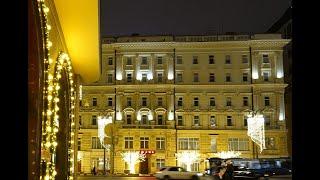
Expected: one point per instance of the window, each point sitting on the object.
(160, 119)
(129, 77)
(195, 101)
(129, 120)
(211, 59)
(144, 101)
(229, 120)
(79, 144)
(270, 143)
(245, 101)
(267, 120)
(211, 77)
(195, 77)
(95, 143)
(160, 143)
(179, 59)
(228, 59)
(144, 61)
(144, 78)
(144, 119)
(194, 166)
(109, 101)
(188, 143)
(159, 59)
(180, 101)
(129, 101)
(128, 142)
(179, 77)
(213, 144)
(160, 77)
(94, 120)
(110, 61)
(245, 77)
(80, 121)
(238, 144)
(180, 121)
(129, 61)
(160, 163)
(245, 121)
(265, 58)
(228, 77)
(228, 101)
(160, 101)
(94, 101)
(213, 121)
(265, 76)
(266, 101)
(195, 60)
(244, 58)
(196, 120)
(144, 142)
(212, 101)
(110, 78)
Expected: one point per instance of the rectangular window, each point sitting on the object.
(265, 76)
(128, 142)
(228, 77)
(245, 121)
(229, 120)
(212, 101)
(129, 101)
(238, 144)
(144, 119)
(159, 101)
(110, 61)
(94, 120)
(144, 101)
(213, 121)
(180, 101)
(245, 101)
(159, 59)
(211, 77)
(94, 101)
(79, 144)
(228, 59)
(195, 60)
(188, 143)
(266, 101)
(244, 59)
(179, 59)
(144, 78)
(144, 61)
(179, 77)
(160, 143)
(95, 143)
(195, 101)
(129, 61)
(265, 58)
(228, 102)
(213, 144)
(160, 77)
(129, 120)
(144, 142)
(270, 143)
(180, 121)
(211, 59)
(245, 77)
(195, 77)
(160, 119)
(196, 120)
(109, 101)
(110, 78)
(160, 163)
(129, 77)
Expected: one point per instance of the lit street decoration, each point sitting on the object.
(227, 154)
(256, 130)
(132, 158)
(102, 122)
(188, 158)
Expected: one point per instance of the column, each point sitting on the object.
(279, 64)
(138, 73)
(170, 67)
(281, 107)
(255, 68)
(119, 67)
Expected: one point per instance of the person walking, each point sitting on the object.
(219, 174)
(229, 170)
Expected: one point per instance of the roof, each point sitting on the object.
(287, 16)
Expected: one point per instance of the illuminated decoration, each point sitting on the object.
(132, 158)
(50, 119)
(171, 116)
(80, 155)
(227, 154)
(102, 122)
(170, 75)
(256, 130)
(139, 76)
(119, 116)
(150, 75)
(188, 158)
(119, 76)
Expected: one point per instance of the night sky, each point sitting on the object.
(145, 17)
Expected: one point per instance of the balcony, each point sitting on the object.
(145, 126)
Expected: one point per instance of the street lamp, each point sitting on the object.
(102, 122)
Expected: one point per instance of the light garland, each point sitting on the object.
(132, 158)
(188, 158)
(102, 122)
(256, 130)
(227, 154)
(50, 122)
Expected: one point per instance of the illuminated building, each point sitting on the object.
(170, 94)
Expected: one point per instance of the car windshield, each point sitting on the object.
(162, 169)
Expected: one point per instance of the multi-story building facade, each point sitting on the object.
(168, 94)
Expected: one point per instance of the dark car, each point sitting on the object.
(245, 173)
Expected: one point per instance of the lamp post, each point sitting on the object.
(102, 122)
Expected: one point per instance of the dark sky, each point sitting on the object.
(124, 17)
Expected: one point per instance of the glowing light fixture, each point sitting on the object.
(188, 158)
(227, 154)
(132, 158)
(256, 130)
(170, 117)
(119, 116)
(102, 122)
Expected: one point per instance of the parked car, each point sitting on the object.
(175, 172)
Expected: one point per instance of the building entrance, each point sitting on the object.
(144, 166)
